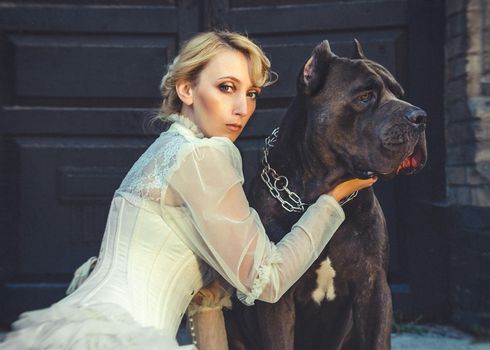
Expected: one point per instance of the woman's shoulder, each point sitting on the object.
(215, 146)
(218, 143)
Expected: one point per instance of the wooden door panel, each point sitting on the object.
(76, 17)
(334, 16)
(65, 187)
(122, 67)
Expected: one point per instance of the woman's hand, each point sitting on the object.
(344, 189)
(205, 317)
(212, 295)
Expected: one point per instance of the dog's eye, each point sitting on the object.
(366, 97)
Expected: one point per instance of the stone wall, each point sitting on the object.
(467, 115)
(468, 102)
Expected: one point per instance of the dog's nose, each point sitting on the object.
(417, 117)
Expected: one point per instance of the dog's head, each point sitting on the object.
(356, 114)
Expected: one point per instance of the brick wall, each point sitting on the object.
(468, 102)
(467, 116)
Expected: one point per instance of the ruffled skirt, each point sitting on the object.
(99, 327)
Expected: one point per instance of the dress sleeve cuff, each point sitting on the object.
(262, 279)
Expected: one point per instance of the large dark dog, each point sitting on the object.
(346, 121)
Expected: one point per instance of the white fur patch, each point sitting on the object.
(325, 288)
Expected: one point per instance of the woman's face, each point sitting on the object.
(223, 99)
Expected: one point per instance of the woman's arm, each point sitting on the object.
(228, 233)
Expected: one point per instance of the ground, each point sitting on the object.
(436, 337)
(433, 337)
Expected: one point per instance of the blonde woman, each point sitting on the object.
(180, 218)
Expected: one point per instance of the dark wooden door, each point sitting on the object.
(79, 78)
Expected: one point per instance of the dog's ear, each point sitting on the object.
(315, 68)
(358, 51)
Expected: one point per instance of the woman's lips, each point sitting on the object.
(234, 127)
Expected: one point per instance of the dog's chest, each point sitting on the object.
(324, 287)
(356, 251)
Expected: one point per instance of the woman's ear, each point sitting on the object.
(184, 91)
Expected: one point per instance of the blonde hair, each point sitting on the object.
(197, 52)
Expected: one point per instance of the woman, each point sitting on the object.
(180, 215)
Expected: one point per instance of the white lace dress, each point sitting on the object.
(179, 216)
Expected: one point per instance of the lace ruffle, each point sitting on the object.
(81, 274)
(262, 279)
(189, 124)
(148, 175)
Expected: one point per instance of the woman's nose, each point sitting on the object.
(241, 106)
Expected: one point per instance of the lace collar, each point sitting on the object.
(184, 123)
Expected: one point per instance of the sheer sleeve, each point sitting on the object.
(229, 236)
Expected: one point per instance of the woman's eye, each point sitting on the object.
(226, 87)
(253, 94)
(366, 97)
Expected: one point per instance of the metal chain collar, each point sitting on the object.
(278, 185)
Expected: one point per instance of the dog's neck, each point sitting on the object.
(309, 173)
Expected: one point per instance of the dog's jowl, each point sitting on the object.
(347, 120)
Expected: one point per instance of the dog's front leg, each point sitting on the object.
(276, 323)
(372, 314)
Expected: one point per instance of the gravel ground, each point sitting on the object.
(426, 338)
(437, 337)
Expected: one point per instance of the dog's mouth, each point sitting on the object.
(409, 166)
(413, 163)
